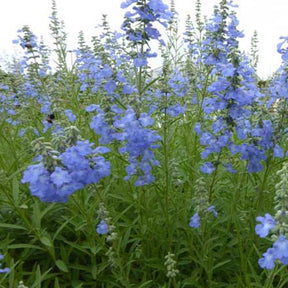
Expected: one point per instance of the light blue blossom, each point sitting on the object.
(195, 221)
(207, 168)
(280, 248)
(268, 260)
(3, 270)
(102, 228)
(79, 165)
(267, 223)
(212, 209)
(70, 115)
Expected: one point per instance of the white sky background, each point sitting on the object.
(268, 18)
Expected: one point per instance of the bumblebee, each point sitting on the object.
(50, 118)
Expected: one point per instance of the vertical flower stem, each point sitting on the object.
(240, 180)
(214, 177)
(166, 169)
(270, 278)
(260, 196)
(199, 114)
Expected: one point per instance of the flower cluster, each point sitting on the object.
(232, 95)
(170, 264)
(168, 98)
(278, 94)
(36, 54)
(99, 124)
(139, 26)
(26, 39)
(202, 205)
(139, 142)
(279, 252)
(277, 224)
(78, 165)
(8, 104)
(109, 79)
(93, 74)
(146, 13)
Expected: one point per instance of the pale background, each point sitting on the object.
(268, 18)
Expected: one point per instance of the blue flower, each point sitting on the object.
(212, 209)
(229, 167)
(110, 86)
(3, 270)
(99, 125)
(92, 108)
(207, 168)
(41, 185)
(283, 49)
(79, 166)
(195, 221)
(138, 143)
(284, 260)
(197, 128)
(72, 158)
(70, 115)
(278, 151)
(267, 223)
(157, 5)
(176, 109)
(232, 93)
(252, 154)
(178, 83)
(60, 177)
(140, 61)
(268, 260)
(280, 248)
(146, 120)
(207, 138)
(279, 251)
(102, 228)
(127, 3)
(153, 11)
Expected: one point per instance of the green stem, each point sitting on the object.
(270, 278)
(166, 185)
(166, 170)
(260, 198)
(214, 177)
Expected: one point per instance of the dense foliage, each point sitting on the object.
(114, 174)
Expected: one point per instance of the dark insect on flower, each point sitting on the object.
(50, 118)
(28, 45)
(262, 84)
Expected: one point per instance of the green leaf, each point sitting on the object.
(15, 185)
(146, 284)
(36, 218)
(24, 246)
(12, 226)
(56, 285)
(149, 84)
(94, 272)
(46, 241)
(222, 263)
(62, 266)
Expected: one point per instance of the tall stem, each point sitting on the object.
(166, 168)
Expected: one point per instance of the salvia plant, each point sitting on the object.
(114, 173)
